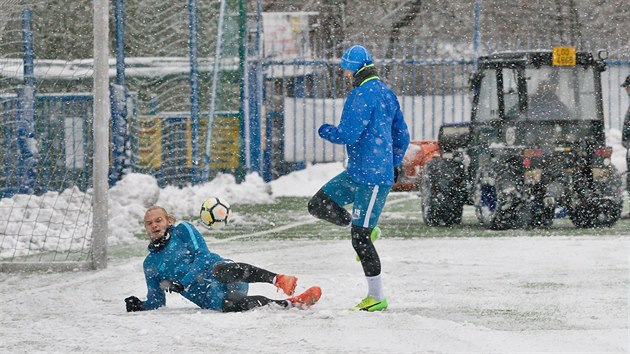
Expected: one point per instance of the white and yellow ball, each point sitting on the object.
(214, 212)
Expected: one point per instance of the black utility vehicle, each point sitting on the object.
(534, 148)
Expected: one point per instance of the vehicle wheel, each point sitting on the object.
(497, 201)
(609, 213)
(430, 194)
(600, 214)
(599, 208)
(454, 195)
(534, 213)
(595, 213)
(453, 216)
(441, 192)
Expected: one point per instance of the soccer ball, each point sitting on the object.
(214, 212)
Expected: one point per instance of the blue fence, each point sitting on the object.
(430, 92)
(281, 94)
(62, 146)
(301, 95)
(162, 145)
(46, 146)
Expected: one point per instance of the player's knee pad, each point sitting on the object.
(361, 238)
(323, 207)
(364, 247)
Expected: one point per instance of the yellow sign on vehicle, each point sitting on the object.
(563, 56)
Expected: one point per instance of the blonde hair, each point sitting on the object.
(169, 217)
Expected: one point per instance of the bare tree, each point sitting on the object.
(408, 12)
(567, 22)
(576, 25)
(331, 26)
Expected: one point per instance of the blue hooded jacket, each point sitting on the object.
(186, 259)
(374, 131)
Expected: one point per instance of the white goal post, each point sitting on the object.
(101, 133)
(63, 227)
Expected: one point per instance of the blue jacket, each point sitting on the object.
(374, 131)
(186, 259)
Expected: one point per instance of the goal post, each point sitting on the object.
(53, 210)
(101, 133)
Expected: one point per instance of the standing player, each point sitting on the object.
(179, 261)
(376, 138)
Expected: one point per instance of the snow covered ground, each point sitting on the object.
(473, 295)
(464, 294)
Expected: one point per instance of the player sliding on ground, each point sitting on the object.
(179, 261)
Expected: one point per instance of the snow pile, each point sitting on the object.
(130, 198)
(62, 221)
(305, 182)
(25, 219)
(48, 222)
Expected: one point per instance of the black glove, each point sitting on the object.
(171, 286)
(134, 304)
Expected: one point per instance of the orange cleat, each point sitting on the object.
(307, 298)
(286, 282)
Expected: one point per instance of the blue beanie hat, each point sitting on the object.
(355, 58)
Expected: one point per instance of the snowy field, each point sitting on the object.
(473, 295)
(484, 292)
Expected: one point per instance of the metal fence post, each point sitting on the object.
(253, 140)
(26, 138)
(242, 25)
(118, 98)
(194, 89)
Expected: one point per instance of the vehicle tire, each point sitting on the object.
(440, 191)
(454, 194)
(497, 200)
(597, 207)
(593, 215)
(430, 195)
(453, 216)
(534, 213)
